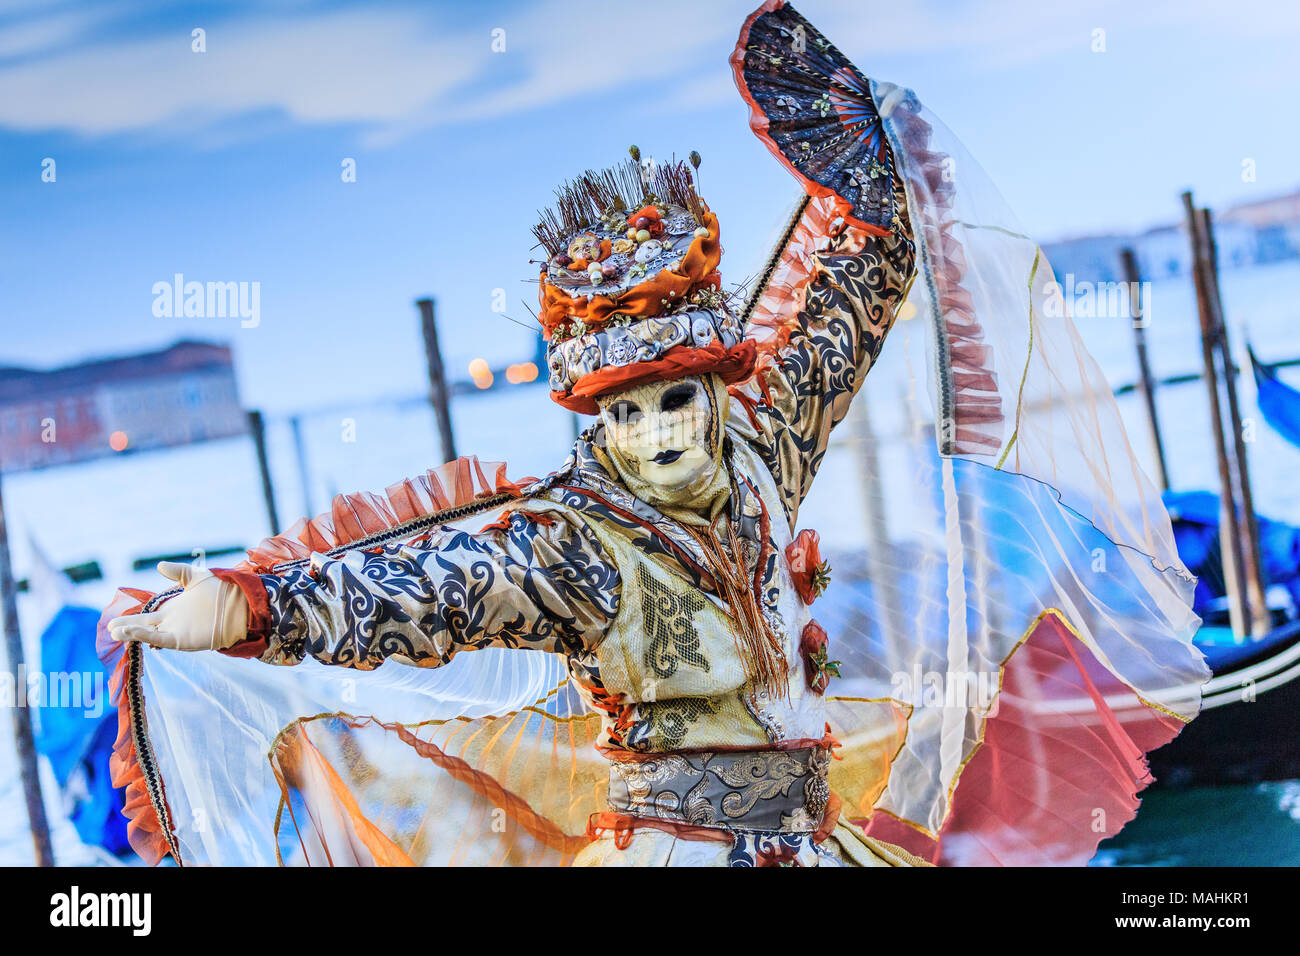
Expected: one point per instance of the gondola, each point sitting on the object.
(1249, 727)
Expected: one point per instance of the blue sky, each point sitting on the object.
(225, 165)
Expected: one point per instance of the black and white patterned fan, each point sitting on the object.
(814, 110)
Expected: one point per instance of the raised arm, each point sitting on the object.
(850, 304)
(830, 292)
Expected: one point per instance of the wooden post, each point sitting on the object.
(258, 430)
(1229, 536)
(1248, 523)
(24, 740)
(304, 474)
(1139, 306)
(438, 393)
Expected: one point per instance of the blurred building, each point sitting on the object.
(182, 394)
(1246, 234)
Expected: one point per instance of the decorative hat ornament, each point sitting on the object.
(630, 290)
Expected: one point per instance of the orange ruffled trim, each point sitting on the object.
(697, 269)
(784, 296)
(734, 364)
(352, 517)
(143, 830)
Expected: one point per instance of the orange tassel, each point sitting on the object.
(761, 653)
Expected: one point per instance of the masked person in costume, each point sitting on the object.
(697, 718)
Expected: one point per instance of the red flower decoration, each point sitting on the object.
(817, 668)
(811, 574)
(653, 223)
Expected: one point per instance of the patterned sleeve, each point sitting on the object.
(534, 579)
(851, 302)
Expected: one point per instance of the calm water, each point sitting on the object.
(1247, 825)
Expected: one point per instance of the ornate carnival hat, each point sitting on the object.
(630, 291)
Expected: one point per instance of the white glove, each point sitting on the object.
(210, 614)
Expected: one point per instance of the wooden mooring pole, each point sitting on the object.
(24, 740)
(1138, 306)
(438, 393)
(1247, 610)
(1229, 539)
(257, 428)
(1248, 523)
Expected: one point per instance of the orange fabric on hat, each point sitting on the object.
(734, 364)
(698, 268)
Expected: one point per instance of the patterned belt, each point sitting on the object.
(783, 791)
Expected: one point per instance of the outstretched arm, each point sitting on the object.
(543, 583)
(537, 580)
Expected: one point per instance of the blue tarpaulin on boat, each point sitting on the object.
(1278, 402)
(1196, 530)
(77, 725)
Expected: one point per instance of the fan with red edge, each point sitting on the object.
(814, 110)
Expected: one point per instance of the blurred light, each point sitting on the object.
(483, 381)
(521, 373)
(907, 311)
(117, 441)
(478, 368)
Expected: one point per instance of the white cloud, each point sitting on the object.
(399, 69)
(28, 37)
(394, 69)
(351, 66)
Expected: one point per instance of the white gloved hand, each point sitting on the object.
(210, 614)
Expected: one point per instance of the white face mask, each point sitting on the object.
(666, 432)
